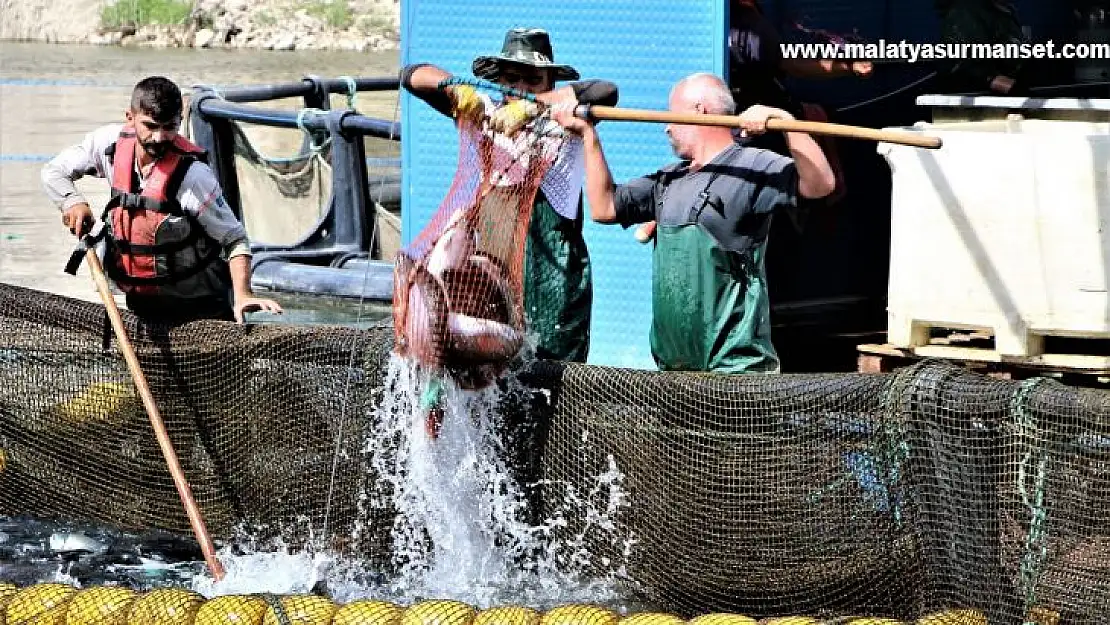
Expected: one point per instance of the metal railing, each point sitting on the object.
(346, 230)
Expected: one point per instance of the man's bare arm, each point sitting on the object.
(599, 179)
(427, 78)
(815, 176)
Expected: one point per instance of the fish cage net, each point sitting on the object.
(282, 198)
(928, 495)
(284, 178)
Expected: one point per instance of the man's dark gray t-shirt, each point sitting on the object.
(740, 189)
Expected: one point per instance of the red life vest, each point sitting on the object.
(146, 252)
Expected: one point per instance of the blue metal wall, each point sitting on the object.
(644, 46)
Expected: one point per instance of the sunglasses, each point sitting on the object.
(513, 78)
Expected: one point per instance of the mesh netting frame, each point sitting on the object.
(927, 406)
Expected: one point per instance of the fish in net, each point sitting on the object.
(458, 308)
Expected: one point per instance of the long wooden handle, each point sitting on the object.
(732, 121)
(164, 441)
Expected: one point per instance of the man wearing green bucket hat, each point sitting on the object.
(557, 276)
(558, 282)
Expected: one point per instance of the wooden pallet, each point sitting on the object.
(975, 352)
(1009, 339)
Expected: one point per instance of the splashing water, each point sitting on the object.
(461, 530)
(446, 515)
(272, 569)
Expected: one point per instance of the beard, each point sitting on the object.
(676, 146)
(683, 140)
(156, 149)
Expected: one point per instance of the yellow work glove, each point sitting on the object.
(513, 116)
(467, 103)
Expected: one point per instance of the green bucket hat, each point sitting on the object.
(526, 46)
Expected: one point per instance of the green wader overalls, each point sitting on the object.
(710, 306)
(558, 285)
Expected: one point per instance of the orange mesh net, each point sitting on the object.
(458, 295)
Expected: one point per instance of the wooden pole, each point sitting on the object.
(191, 509)
(599, 112)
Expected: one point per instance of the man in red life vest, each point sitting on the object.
(175, 248)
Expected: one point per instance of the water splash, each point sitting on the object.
(461, 528)
(271, 568)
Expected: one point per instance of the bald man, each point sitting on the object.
(714, 208)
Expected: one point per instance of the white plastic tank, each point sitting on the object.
(1004, 228)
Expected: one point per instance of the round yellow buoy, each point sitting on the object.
(954, 617)
(34, 601)
(302, 610)
(793, 620)
(368, 612)
(439, 612)
(652, 618)
(101, 401)
(102, 605)
(165, 606)
(723, 618)
(231, 610)
(579, 614)
(508, 615)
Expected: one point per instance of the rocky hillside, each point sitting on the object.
(363, 25)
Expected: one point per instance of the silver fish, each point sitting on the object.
(70, 542)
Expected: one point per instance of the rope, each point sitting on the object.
(187, 117)
(893, 444)
(897, 446)
(311, 140)
(432, 393)
(883, 458)
(888, 94)
(1036, 549)
(478, 83)
(213, 88)
(352, 91)
(274, 602)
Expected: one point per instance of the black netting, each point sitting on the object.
(927, 490)
(254, 413)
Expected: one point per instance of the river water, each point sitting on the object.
(51, 95)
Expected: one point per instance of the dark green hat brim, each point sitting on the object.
(487, 67)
